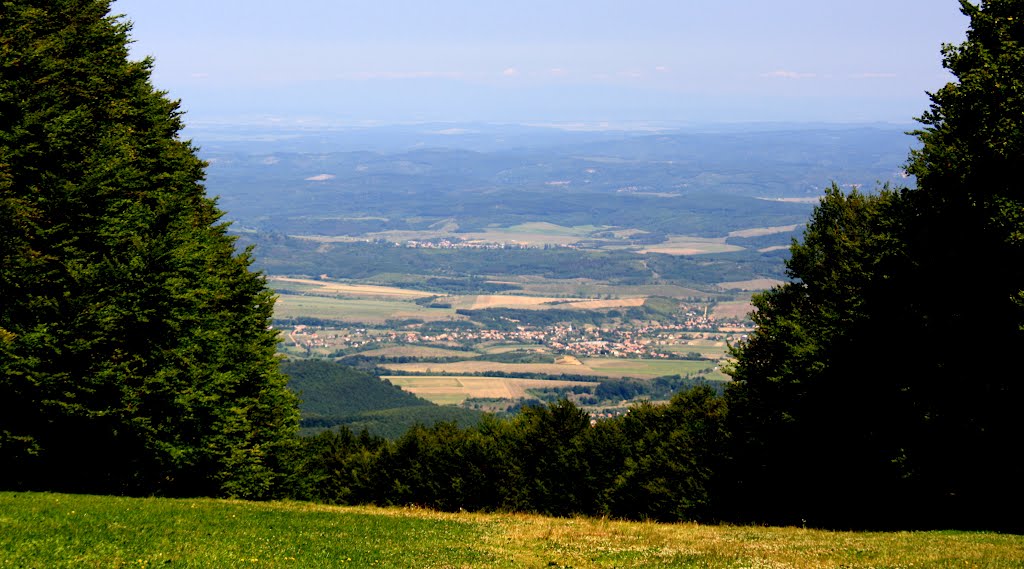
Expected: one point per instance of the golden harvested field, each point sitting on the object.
(335, 238)
(535, 234)
(600, 367)
(707, 348)
(335, 288)
(369, 310)
(539, 302)
(446, 390)
(610, 303)
(733, 309)
(762, 231)
(502, 301)
(754, 284)
(685, 245)
(500, 348)
(646, 368)
(470, 367)
(589, 288)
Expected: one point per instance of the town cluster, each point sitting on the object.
(648, 341)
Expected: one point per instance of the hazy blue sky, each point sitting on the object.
(547, 60)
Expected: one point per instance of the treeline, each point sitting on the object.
(657, 462)
(393, 423)
(612, 392)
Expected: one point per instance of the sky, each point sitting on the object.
(321, 62)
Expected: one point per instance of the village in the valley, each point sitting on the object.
(651, 340)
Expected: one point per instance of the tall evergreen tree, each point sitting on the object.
(135, 353)
(880, 387)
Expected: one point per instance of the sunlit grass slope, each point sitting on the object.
(56, 530)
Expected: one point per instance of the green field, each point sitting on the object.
(56, 530)
(355, 309)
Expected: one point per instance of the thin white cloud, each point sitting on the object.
(510, 72)
(662, 69)
(370, 75)
(784, 74)
(874, 75)
(557, 72)
(320, 178)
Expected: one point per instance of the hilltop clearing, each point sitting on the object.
(55, 530)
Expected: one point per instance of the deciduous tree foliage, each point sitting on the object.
(880, 387)
(658, 462)
(135, 354)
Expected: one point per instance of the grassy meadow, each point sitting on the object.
(56, 530)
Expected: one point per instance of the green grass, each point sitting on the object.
(54, 530)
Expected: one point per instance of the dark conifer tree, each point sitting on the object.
(880, 387)
(135, 354)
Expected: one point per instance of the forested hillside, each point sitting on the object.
(332, 395)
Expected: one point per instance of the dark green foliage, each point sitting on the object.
(134, 349)
(615, 391)
(327, 389)
(393, 423)
(519, 357)
(658, 462)
(337, 467)
(871, 393)
(333, 395)
(442, 467)
(673, 456)
(545, 460)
